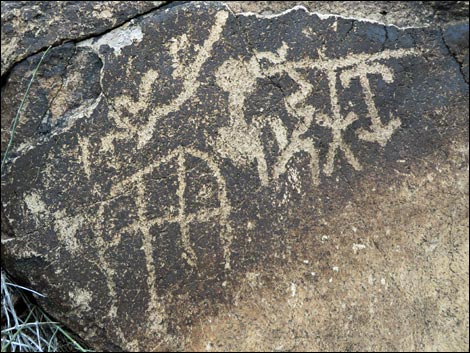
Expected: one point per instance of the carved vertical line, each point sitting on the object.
(108, 271)
(189, 255)
(190, 84)
(154, 310)
(369, 98)
(225, 209)
(335, 109)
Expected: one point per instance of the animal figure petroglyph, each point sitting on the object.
(239, 141)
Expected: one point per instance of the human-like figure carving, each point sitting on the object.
(346, 69)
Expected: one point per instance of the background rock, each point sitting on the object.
(398, 13)
(31, 26)
(200, 180)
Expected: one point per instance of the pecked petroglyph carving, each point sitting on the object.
(216, 145)
(66, 226)
(304, 112)
(241, 141)
(379, 132)
(182, 218)
(191, 72)
(231, 139)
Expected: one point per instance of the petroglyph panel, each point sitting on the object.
(195, 162)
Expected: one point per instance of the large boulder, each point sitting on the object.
(198, 179)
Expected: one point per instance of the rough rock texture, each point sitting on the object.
(201, 180)
(31, 26)
(398, 13)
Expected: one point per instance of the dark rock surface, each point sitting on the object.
(30, 26)
(397, 13)
(200, 180)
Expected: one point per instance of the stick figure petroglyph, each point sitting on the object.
(346, 69)
(379, 132)
(293, 104)
(241, 141)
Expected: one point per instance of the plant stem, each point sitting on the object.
(17, 117)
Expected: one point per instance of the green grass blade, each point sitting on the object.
(17, 116)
